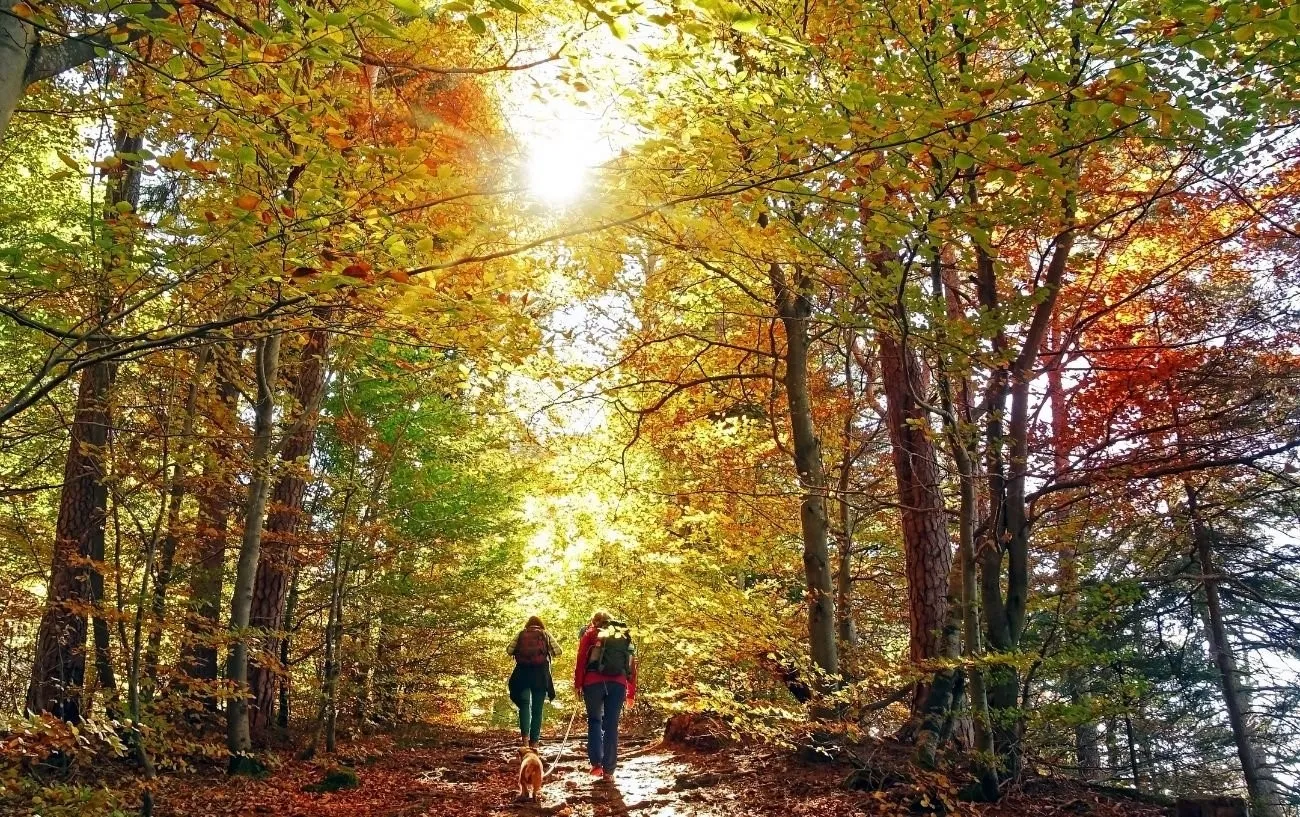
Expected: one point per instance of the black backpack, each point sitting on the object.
(613, 651)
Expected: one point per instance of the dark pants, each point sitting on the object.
(530, 702)
(604, 702)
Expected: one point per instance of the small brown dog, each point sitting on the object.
(530, 774)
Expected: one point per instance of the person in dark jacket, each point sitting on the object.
(605, 686)
(531, 682)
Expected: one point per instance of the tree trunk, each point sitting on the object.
(215, 500)
(275, 563)
(18, 40)
(795, 312)
(104, 676)
(927, 549)
(282, 717)
(1263, 796)
(59, 666)
(238, 739)
(25, 60)
(846, 630)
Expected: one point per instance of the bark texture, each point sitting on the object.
(59, 669)
(283, 526)
(59, 665)
(1259, 785)
(238, 739)
(795, 311)
(927, 549)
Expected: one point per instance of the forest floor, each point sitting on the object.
(465, 774)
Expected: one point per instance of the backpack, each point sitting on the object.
(612, 653)
(531, 649)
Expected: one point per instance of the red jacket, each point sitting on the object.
(582, 677)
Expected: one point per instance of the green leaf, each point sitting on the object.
(963, 161)
(1205, 48)
(477, 24)
(411, 8)
(510, 5)
(746, 23)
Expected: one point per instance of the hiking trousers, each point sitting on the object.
(604, 701)
(531, 702)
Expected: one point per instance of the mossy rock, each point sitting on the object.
(337, 778)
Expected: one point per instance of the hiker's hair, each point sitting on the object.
(534, 621)
(601, 617)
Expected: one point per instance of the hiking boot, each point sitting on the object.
(597, 772)
(533, 744)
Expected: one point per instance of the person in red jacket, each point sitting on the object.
(605, 677)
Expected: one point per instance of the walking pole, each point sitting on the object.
(560, 753)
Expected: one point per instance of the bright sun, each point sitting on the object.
(562, 151)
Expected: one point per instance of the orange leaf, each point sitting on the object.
(23, 10)
(398, 275)
(247, 201)
(358, 270)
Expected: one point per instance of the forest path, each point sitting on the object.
(650, 782)
(466, 774)
(460, 773)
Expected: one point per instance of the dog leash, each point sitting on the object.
(560, 753)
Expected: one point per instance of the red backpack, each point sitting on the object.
(531, 649)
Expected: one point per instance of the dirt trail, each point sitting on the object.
(650, 782)
(460, 774)
(464, 774)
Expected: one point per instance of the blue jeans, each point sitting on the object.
(604, 702)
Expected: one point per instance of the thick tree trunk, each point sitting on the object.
(25, 60)
(275, 563)
(215, 501)
(18, 40)
(928, 552)
(238, 739)
(795, 312)
(59, 668)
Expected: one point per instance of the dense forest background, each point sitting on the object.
(919, 369)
